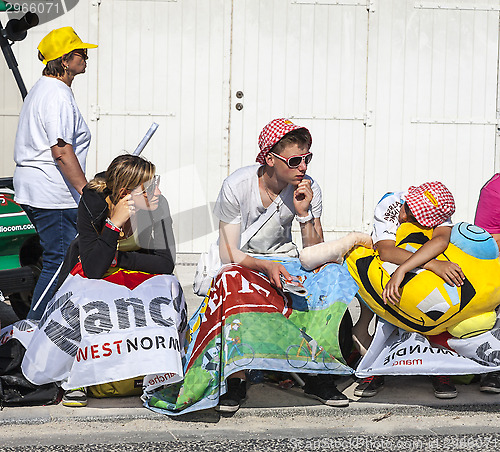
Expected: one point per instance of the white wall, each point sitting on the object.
(433, 92)
(306, 62)
(394, 92)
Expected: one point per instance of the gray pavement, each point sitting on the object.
(405, 407)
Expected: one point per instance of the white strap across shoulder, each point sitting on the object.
(263, 219)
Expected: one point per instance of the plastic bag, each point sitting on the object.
(206, 270)
(15, 389)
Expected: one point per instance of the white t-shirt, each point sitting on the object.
(386, 216)
(49, 113)
(239, 202)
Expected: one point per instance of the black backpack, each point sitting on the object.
(15, 389)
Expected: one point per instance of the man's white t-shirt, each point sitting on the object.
(49, 113)
(386, 216)
(239, 202)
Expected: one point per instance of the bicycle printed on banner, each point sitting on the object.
(298, 356)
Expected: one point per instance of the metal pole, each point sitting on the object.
(146, 138)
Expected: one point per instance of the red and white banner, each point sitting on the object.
(97, 331)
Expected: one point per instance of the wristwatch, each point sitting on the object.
(305, 219)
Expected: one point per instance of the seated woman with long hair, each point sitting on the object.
(124, 221)
(126, 312)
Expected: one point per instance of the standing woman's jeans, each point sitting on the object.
(56, 228)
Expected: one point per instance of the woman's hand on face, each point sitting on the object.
(122, 211)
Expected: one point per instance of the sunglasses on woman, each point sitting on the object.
(149, 187)
(295, 160)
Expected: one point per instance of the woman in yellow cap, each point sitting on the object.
(50, 150)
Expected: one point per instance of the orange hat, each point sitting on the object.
(59, 42)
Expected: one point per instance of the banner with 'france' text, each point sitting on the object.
(97, 331)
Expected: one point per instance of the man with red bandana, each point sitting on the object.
(279, 181)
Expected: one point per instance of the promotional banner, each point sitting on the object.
(395, 351)
(97, 331)
(245, 323)
(22, 330)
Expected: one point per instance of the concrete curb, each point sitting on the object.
(120, 409)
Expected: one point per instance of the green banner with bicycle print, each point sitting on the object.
(245, 323)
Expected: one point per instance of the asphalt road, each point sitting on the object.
(352, 443)
(295, 428)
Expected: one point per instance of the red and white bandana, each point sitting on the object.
(430, 203)
(271, 134)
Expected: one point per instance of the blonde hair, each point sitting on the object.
(125, 172)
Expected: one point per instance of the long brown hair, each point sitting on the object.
(125, 172)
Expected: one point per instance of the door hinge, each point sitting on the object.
(95, 112)
(367, 118)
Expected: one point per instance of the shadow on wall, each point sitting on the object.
(195, 223)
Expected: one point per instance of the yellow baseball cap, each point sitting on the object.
(59, 42)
